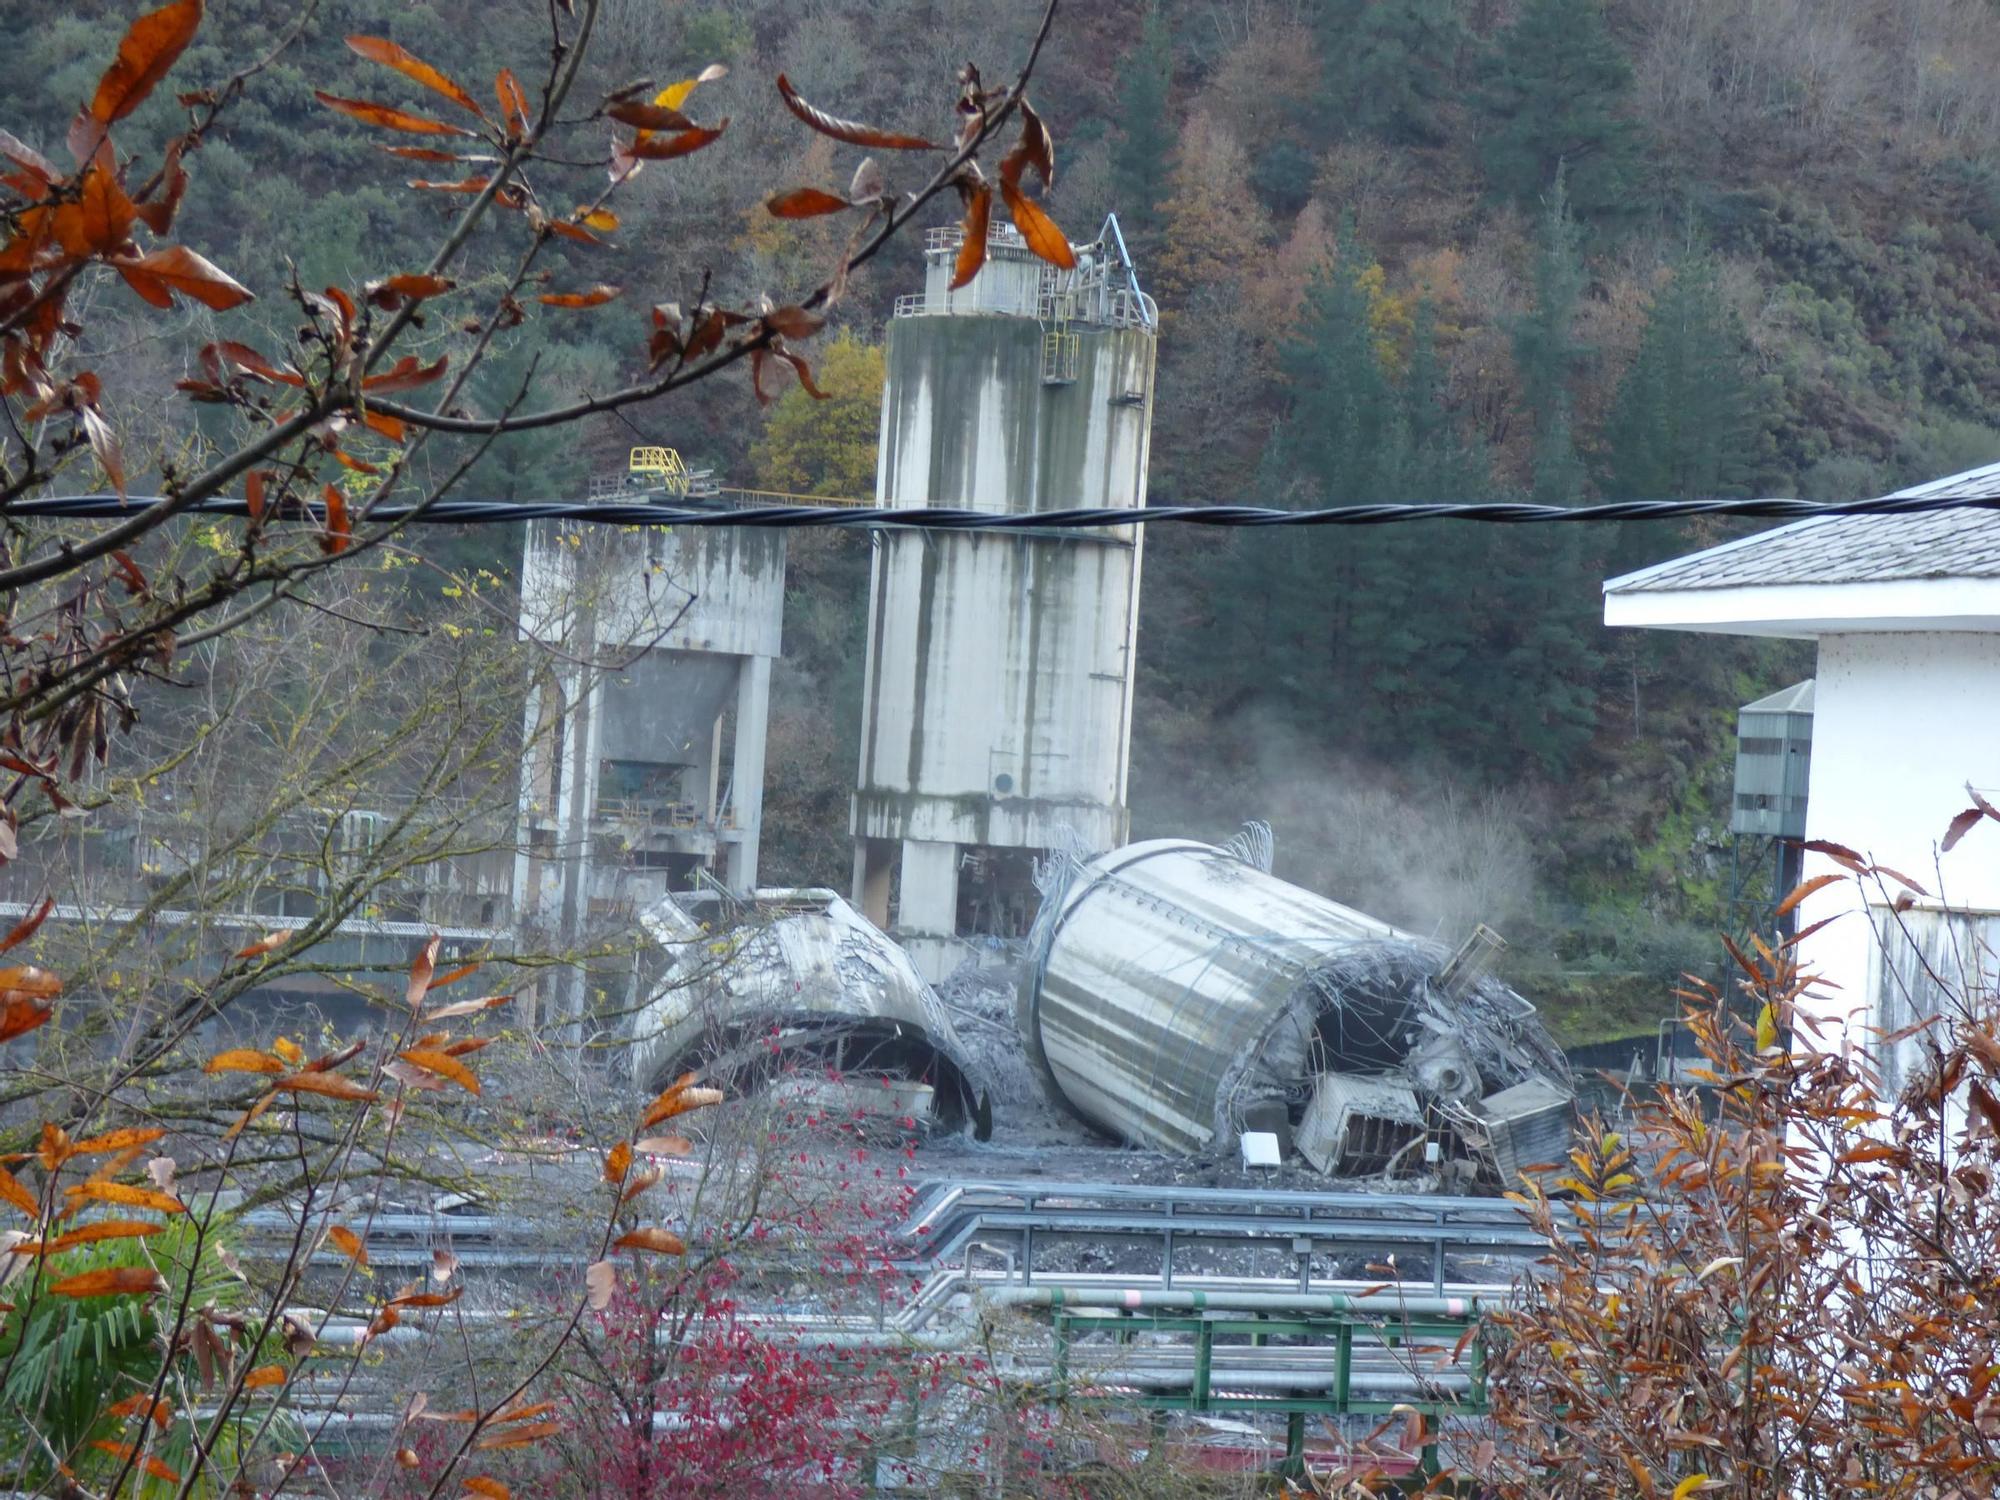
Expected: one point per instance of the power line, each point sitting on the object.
(850, 517)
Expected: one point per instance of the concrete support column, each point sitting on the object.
(927, 914)
(873, 865)
(753, 715)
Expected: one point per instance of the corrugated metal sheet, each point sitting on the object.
(1173, 986)
(802, 960)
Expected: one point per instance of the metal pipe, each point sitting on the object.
(1390, 1304)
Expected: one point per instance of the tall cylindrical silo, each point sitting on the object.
(1173, 987)
(998, 697)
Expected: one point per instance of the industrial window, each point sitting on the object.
(642, 781)
(1757, 745)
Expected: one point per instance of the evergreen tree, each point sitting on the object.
(1556, 91)
(1544, 626)
(1685, 423)
(1390, 64)
(1547, 354)
(1146, 137)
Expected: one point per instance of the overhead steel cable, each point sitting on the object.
(851, 517)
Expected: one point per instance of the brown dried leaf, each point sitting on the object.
(481, 1484)
(1960, 827)
(243, 1060)
(338, 531)
(665, 1145)
(124, 1453)
(265, 944)
(1805, 889)
(19, 1015)
(386, 117)
(31, 983)
(348, 1243)
(466, 1007)
(149, 49)
(331, 1085)
(158, 215)
(658, 1241)
(111, 1281)
(1038, 230)
(597, 296)
(639, 1182)
(265, 1376)
(679, 143)
(853, 132)
(413, 1298)
(1036, 148)
(128, 1195)
(90, 1234)
(803, 370)
(518, 1437)
(379, 50)
(249, 1117)
(31, 161)
(104, 448)
(117, 1140)
(26, 927)
(618, 1162)
(972, 251)
(521, 1414)
(867, 186)
(251, 362)
(645, 116)
(469, 186)
(178, 269)
(131, 1406)
(601, 1279)
(12, 1191)
(513, 102)
(805, 203)
(444, 1065)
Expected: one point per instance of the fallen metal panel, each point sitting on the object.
(794, 971)
(1173, 986)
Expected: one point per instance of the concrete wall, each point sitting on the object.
(687, 588)
(1902, 722)
(656, 634)
(999, 676)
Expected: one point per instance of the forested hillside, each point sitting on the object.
(1406, 249)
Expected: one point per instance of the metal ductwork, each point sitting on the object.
(1174, 987)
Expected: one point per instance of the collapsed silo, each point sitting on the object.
(1177, 995)
(796, 990)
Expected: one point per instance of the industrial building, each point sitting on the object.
(659, 649)
(997, 718)
(1904, 721)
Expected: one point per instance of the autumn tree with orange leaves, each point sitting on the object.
(317, 452)
(1783, 1280)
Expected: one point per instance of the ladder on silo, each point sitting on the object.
(1062, 350)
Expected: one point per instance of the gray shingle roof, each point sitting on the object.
(1848, 549)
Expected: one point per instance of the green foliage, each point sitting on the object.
(1146, 137)
(1686, 422)
(1391, 65)
(826, 447)
(1557, 98)
(69, 1359)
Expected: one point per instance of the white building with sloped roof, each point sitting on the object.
(1906, 613)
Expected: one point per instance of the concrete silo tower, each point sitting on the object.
(998, 707)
